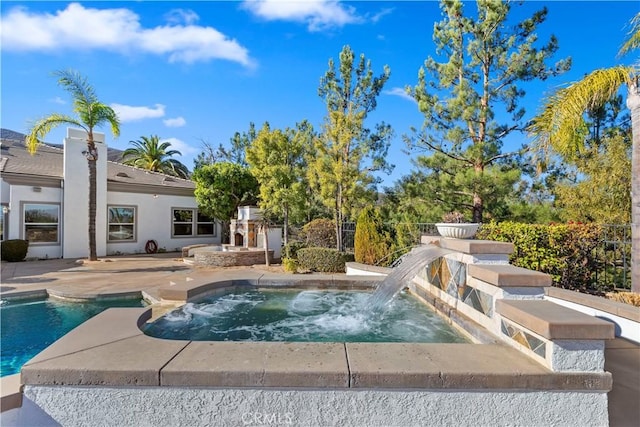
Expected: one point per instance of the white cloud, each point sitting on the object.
(181, 16)
(129, 113)
(77, 28)
(398, 91)
(175, 123)
(317, 14)
(184, 148)
(58, 100)
(378, 16)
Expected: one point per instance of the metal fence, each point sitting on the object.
(612, 255)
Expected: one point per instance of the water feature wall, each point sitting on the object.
(474, 283)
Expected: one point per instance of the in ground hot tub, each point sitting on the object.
(302, 316)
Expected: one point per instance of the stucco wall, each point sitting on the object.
(154, 222)
(76, 195)
(169, 406)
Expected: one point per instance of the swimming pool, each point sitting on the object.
(29, 326)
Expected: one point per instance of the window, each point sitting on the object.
(205, 226)
(190, 222)
(41, 222)
(122, 224)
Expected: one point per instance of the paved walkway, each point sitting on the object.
(150, 272)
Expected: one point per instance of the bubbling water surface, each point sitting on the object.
(309, 316)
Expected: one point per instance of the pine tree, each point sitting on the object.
(347, 152)
(463, 97)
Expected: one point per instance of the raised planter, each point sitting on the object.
(457, 230)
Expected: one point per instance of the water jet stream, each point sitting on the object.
(411, 264)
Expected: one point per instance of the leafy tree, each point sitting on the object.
(561, 125)
(347, 152)
(471, 99)
(371, 241)
(153, 155)
(221, 188)
(234, 154)
(603, 193)
(278, 161)
(90, 114)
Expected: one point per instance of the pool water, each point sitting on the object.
(310, 316)
(28, 327)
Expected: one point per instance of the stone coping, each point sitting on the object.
(10, 392)
(111, 350)
(507, 275)
(74, 296)
(554, 321)
(470, 246)
(206, 285)
(626, 311)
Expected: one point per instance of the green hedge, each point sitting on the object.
(564, 251)
(323, 260)
(14, 250)
(321, 233)
(290, 250)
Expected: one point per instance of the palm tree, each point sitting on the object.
(151, 154)
(561, 125)
(90, 114)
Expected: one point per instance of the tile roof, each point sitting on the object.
(48, 162)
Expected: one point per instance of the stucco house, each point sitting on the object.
(44, 199)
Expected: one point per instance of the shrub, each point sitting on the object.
(454, 217)
(291, 249)
(290, 264)
(630, 298)
(323, 260)
(564, 251)
(371, 242)
(320, 233)
(14, 250)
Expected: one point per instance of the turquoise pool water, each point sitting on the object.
(311, 316)
(28, 327)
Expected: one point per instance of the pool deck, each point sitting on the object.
(114, 276)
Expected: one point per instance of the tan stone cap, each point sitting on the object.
(507, 275)
(10, 392)
(198, 285)
(110, 350)
(554, 321)
(476, 247)
(627, 311)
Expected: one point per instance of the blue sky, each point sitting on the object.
(200, 71)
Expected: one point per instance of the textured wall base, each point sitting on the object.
(231, 258)
(168, 406)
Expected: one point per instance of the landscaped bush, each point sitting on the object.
(290, 264)
(14, 250)
(564, 251)
(371, 241)
(630, 298)
(323, 260)
(290, 250)
(320, 233)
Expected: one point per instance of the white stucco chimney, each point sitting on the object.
(76, 195)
